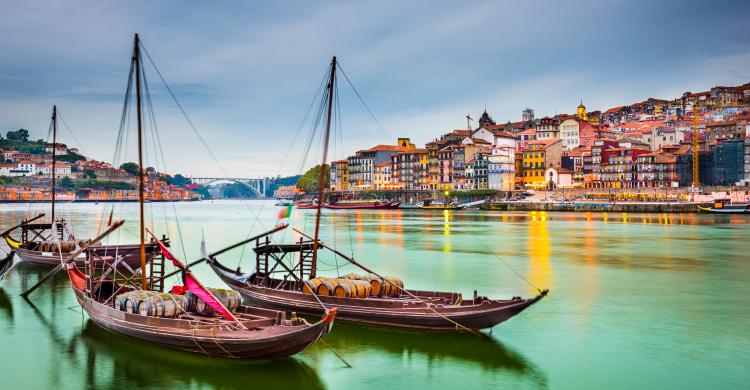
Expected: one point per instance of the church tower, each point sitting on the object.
(485, 119)
(581, 112)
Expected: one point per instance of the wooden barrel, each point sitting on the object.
(353, 276)
(386, 287)
(229, 298)
(163, 305)
(130, 301)
(363, 288)
(326, 286)
(392, 282)
(311, 286)
(348, 288)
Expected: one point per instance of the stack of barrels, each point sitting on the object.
(165, 305)
(151, 303)
(229, 298)
(52, 247)
(355, 286)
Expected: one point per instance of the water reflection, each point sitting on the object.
(539, 246)
(115, 361)
(6, 306)
(488, 353)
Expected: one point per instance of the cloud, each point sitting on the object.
(246, 72)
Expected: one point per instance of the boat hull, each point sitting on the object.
(129, 252)
(363, 206)
(260, 343)
(406, 313)
(726, 210)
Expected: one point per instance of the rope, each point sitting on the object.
(506, 264)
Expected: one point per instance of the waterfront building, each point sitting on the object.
(558, 178)
(339, 175)
(361, 165)
(61, 169)
(594, 179)
(569, 133)
(548, 128)
(480, 169)
(619, 167)
(445, 158)
(410, 169)
(657, 169)
(501, 163)
(433, 166)
(537, 157)
(382, 175)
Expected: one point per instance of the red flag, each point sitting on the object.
(196, 287)
(206, 296)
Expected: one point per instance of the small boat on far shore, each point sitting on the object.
(430, 204)
(362, 204)
(720, 207)
(284, 202)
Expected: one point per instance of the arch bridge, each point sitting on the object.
(257, 186)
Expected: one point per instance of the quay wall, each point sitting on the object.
(618, 207)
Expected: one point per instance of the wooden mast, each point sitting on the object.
(321, 184)
(54, 157)
(141, 197)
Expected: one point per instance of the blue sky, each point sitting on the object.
(247, 71)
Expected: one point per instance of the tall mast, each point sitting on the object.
(141, 197)
(54, 157)
(321, 184)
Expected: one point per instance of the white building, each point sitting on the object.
(501, 164)
(570, 134)
(24, 168)
(61, 169)
(60, 149)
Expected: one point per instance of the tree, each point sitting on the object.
(130, 167)
(177, 180)
(66, 182)
(309, 181)
(89, 173)
(18, 135)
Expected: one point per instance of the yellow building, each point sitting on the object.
(537, 157)
(339, 175)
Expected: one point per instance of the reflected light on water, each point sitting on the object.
(540, 272)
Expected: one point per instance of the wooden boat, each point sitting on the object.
(267, 334)
(143, 311)
(47, 243)
(274, 284)
(429, 204)
(306, 205)
(726, 208)
(362, 204)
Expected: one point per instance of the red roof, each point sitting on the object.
(385, 148)
(545, 142)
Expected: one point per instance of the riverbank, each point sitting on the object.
(623, 207)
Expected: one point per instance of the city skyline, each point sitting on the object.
(247, 74)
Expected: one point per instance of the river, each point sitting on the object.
(636, 301)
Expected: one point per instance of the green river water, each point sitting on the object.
(636, 301)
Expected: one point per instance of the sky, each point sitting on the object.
(246, 72)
